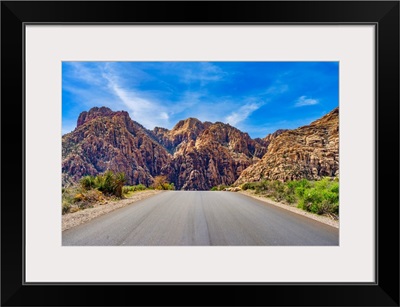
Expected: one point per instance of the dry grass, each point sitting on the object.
(76, 218)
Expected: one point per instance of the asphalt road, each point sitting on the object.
(201, 218)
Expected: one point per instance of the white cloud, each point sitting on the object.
(145, 110)
(164, 115)
(304, 101)
(242, 113)
(90, 75)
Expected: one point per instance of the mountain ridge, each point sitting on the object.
(194, 155)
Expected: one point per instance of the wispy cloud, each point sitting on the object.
(203, 73)
(243, 113)
(89, 74)
(304, 101)
(279, 85)
(146, 110)
(162, 93)
(277, 89)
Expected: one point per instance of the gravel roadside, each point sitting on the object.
(70, 220)
(320, 218)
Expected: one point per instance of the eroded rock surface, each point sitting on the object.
(310, 152)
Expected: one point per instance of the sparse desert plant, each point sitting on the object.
(250, 185)
(220, 187)
(91, 190)
(133, 188)
(65, 207)
(161, 183)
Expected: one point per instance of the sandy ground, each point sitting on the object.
(74, 219)
(321, 218)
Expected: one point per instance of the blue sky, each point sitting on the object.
(256, 97)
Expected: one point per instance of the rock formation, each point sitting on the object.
(197, 155)
(310, 152)
(210, 155)
(105, 140)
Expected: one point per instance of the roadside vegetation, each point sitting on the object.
(220, 187)
(320, 197)
(103, 188)
(92, 190)
(161, 183)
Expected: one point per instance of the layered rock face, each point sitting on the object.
(197, 155)
(183, 132)
(106, 140)
(309, 152)
(209, 155)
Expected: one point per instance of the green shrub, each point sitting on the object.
(263, 186)
(250, 185)
(161, 183)
(220, 187)
(140, 187)
(290, 198)
(65, 207)
(334, 187)
(133, 188)
(322, 197)
(87, 182)
(108, 183)
(168, 186)
(319, 197)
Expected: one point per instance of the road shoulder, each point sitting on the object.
(320, 218)
(70, 220)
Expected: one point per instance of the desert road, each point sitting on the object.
(201, 218)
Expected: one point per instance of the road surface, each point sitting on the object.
(201, 218)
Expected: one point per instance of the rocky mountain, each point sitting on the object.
(267, 140)
(183, 132)
(103, 140)
(310, 152)
(206, 154)
(197, 155)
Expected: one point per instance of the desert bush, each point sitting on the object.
(168, 186)
(263, 186)
(119, 181)
(91, 190)
(250, 185)
(65, 207)
(161, 183)
(133, 188)
(319, 197)
(68, 198)
(219, 187)
(278, 190)
(110, 183)
(87, 182)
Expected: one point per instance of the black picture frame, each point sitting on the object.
(383, 14)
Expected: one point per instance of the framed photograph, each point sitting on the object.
(242, 146)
